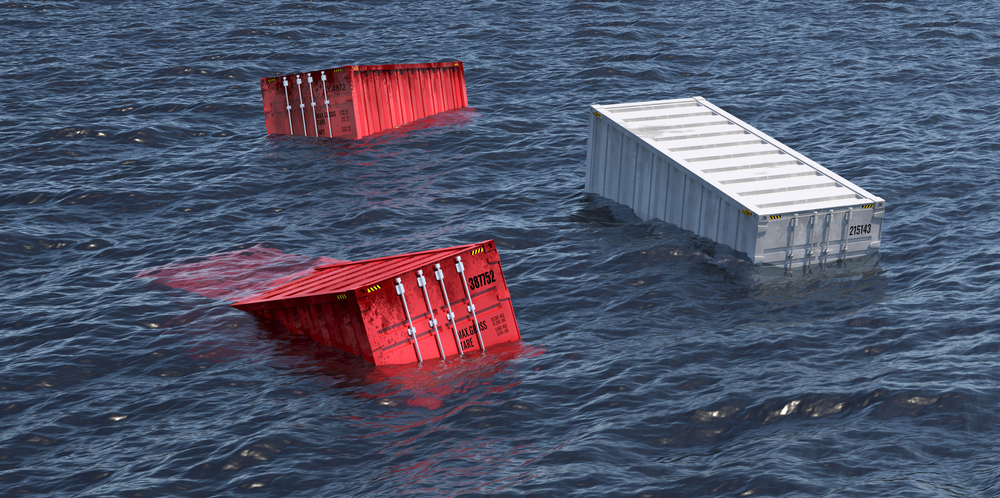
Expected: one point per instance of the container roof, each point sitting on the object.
(374, 67)
(353, 275)
(738, 159)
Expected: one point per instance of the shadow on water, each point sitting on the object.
(819, 293)
(777, 294)
(461, 414)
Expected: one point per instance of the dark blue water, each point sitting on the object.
(654, 363)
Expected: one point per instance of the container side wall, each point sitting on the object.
(377, 100)
(708, 225)
(728, 217)
(427, 91)
(418, 95)
(626, 180)
(360, 97)
(336, 330)
(388, 99)
(329, 329)
(691, 216)
(381, 98)
(399, 104)
(675, 194)
(441, 98)
(318, 332)
(592, 133)
(597, 170)
(463, 96)
(406, 99)
(612, 170)
(291, 321)
(658, 188)
(447, 96)
(348, 329)
(433, 93)
(753, 237)
(368, 100)
(303, 319)
(643, 181)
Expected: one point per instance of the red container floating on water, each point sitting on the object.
(355, 101)
(399, 309)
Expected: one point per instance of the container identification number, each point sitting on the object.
(860, 229)
(481, 280)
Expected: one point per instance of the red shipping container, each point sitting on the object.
(356, 101)
(399, 309)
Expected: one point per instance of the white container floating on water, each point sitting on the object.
(690, 163)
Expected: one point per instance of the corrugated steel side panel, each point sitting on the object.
(356, 101)
(690, 163)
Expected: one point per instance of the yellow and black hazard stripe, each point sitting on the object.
(373, 288)
(746, 212)
(476, 251)
(867, 206)
(341, 296)
(774, 217)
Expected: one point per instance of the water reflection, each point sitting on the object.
(460, 416)
(232, 275)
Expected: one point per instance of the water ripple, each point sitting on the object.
(654, 362)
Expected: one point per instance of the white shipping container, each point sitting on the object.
(690, 163)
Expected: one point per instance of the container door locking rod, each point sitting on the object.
(439, 276)
(472, 307)
(827, 231)
(422, 283)
(811, 241)
(288, 107)
(329, 124)
(312, 100)
(847, 228)
(791, 242)
(302, 107)
(412, 332)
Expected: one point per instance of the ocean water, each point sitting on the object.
(654, 363)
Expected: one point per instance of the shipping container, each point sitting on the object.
(399, 309)
(356, 101)
(690, 163)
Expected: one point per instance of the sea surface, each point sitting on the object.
(654, 363)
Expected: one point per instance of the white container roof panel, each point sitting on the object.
(744, 163)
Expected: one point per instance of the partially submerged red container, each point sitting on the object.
(399, 309)
(355, 101)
